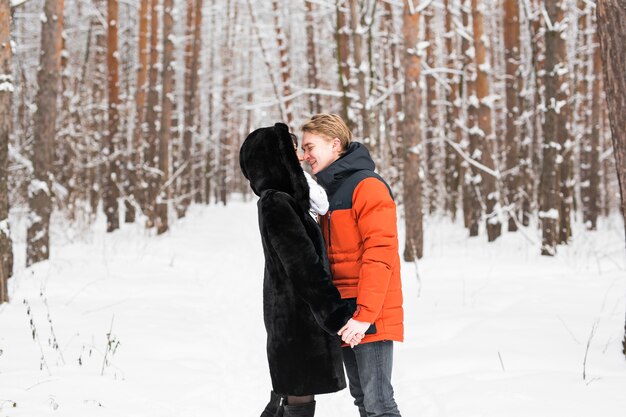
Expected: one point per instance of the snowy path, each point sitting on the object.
(492, 329)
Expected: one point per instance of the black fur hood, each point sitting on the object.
(268, 160)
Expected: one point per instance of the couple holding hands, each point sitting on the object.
(339, 275)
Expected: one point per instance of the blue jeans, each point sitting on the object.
(369, 371)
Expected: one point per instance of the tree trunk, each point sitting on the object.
(471, 204)
(6, 92)
(512, 140)
(111, 190)
(452, 128)
(596, 129)
(225, 139)
(488, 181)
(194, 21)
(411, 135)
(209, 157)
(98, 126)
(167, 99)
(343, 55)
(433, 166)
(555, 71)
(150, 190)
(612, 32)
(134, 171)
(583, 121)
(360, 69)
(285, 67)
(39, 190)
(311, 56)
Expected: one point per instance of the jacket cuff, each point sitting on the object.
(363, 315)
(338, 318)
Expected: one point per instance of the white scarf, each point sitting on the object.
(317, 196)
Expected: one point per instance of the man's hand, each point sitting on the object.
(351, 330)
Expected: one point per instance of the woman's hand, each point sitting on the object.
(356, 339)
(353, 331)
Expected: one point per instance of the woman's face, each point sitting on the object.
(319, 151)
(298, 154)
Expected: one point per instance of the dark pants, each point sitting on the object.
(369, 371)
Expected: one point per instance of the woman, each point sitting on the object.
(302, 309)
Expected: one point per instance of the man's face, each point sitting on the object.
(319, 152)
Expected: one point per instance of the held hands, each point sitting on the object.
(353, 332)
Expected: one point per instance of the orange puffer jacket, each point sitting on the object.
(362, 241)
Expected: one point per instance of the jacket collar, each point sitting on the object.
(356, 158)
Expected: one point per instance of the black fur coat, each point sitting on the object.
(302, 309)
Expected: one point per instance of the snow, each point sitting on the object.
(36, 186)
(4, 227)
(492, 329)
(6, 83)
(550, 214)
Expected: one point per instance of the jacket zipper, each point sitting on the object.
(329, 241)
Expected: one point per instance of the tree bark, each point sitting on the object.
(311, 56)
(594, 139)
(285, 67)
(487, 181)
(39, 190)
(150, 190)
(512, 140)
(360, 70)
(167, 101)
(452, 128)
(553, 127)
(134, 172)
(472, 209)
(433, 157)
(343, 70)
(111, 190)
(6, 93)
(612, 32)
(194, 20)
(225, 139)
(411, 135)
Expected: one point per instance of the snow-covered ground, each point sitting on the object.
(172, 325)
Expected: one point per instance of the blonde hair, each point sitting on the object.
(331, 126)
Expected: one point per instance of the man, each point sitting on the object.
(362, 242)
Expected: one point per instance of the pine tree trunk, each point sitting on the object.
(488, 181)
(555, 101)
(196, 159)
(411, 135)
(433, 167)
(225, 140)
(209, 156)
(134, 171)
(98, 115)
(151, 160)
(194, 22)
(6, 92)
(512, 55)
(285, 67)
(612, 32)
(111, 191)
(583, 121)
(452, 128)
(167, 101)
(360, 70)
(39, 190)
(472, 209)
(594, 144)
(311, 56)
(343, 55)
